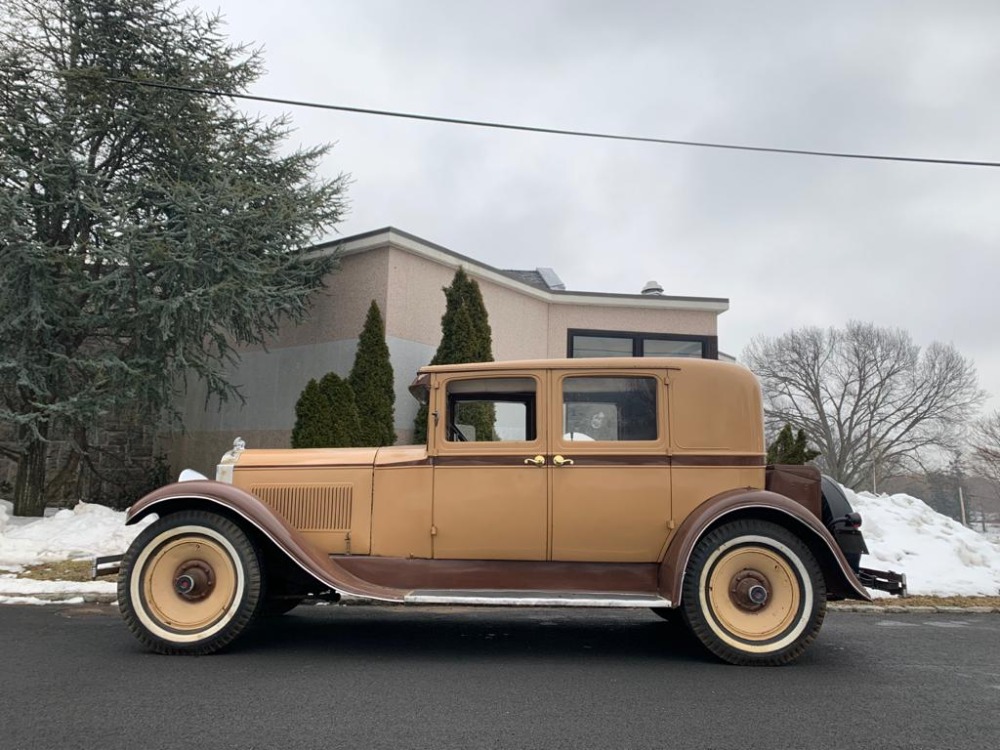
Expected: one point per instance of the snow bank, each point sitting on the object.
(85, 531)
(53, 591)
(939, 556)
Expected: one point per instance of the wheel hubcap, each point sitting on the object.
(194, 580)
(749, 590)
(189, 583)
(754, 593)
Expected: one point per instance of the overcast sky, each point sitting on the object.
(790, 240)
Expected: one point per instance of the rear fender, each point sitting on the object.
(841, 582)
(250, 512)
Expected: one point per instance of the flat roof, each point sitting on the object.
(391, 236)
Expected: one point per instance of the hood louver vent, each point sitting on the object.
(310, 507)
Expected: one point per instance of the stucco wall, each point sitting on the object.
(408, 288)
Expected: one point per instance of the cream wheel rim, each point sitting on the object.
(163, 607)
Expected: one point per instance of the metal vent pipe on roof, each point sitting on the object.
(652, 287)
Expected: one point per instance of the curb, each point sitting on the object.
(896, 609)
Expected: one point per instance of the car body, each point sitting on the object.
(613, 482)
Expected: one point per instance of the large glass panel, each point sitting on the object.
(609, 409)
(671, 348)
(491, 410)
(601, 346)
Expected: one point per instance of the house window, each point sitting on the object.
(637, 344)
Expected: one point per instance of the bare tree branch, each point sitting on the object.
(867, 397)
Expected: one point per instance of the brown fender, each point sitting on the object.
(209, 495)
(840, 579)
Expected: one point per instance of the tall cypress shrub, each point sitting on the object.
(345, 423)
(465, 337)
(313, 417)
(372, 382)
(326, 415)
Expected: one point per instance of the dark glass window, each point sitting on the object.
(491, 410)
(671, 348)
(601, 346)
(609, 409)
(638, 344)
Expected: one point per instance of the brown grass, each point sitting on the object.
(64, 570)
(941, 601)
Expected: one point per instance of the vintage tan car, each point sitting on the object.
(590, 483)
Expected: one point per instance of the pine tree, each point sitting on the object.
(326, 415)
(313, 419)
(345, 425)
(146, 234)
(372, 382)
(790, 448)
(465, 337)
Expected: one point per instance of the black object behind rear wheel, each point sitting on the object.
(753, 593)
(190, 583)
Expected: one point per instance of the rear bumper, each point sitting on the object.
(883, 580)
(105, 566)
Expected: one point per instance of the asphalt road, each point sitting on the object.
(400, 677)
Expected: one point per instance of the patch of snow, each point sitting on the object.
(86, 531)
(939, 556)
(35, 600)
(31, 587)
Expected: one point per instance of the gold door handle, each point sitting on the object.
(560, 461)
(537, 461)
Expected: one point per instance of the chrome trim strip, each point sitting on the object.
(537, 599)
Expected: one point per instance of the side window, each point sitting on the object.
(491, 410)
(609, 409)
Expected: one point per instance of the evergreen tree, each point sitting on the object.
(145, 233)
(326, 415)
(372, 382)
(465, 337)
(790, 448)
(313, 419)
(345, 424)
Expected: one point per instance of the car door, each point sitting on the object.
(610, 472)
(490, 480)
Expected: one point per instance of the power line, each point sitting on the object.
(557, 131)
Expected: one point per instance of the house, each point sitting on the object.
(532, 316)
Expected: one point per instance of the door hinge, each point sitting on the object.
(434, 530)
(347, 541)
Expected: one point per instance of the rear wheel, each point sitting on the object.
(190, 583)
(753, 593)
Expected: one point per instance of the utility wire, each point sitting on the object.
(556, 131)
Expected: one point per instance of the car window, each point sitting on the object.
(491, 410)
(609, 408)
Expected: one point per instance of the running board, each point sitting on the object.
(536, 599)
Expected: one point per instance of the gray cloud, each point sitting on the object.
(790, 240)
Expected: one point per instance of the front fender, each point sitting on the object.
(233, 501)
(840, 579)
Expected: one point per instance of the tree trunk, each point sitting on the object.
(29, 486)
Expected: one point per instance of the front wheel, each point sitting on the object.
(190, 583)
(753, 593)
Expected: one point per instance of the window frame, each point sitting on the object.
(439, 396)
(709, 344)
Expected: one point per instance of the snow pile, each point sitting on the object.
(939, 556)
(86, 531)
